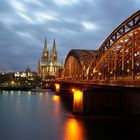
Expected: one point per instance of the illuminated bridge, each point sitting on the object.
(115, 63)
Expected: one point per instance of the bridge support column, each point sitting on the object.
(108, 71)
(123, 58)
(77, 101)
(133, 42)
(132, 63)
(57, 88)
(115, 63)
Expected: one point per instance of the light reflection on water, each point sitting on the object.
(73, 130)
(42, 116)
(56, 101)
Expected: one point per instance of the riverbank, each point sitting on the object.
(9, 88)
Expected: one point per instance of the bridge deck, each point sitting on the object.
(119, 83)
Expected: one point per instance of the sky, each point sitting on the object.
(75, 24)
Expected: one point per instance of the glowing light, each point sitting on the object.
(57, 88)
(29, 92)
(47, 85)
(94, 70)
(73, 89)
(137, 63)
(3, 91)
(12, 92)
(40, 93)
(77, 101)
(73, 130)
(12, 82)
(78, 95)
(100, 73)
(55, 98)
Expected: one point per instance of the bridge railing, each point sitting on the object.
(117, 83)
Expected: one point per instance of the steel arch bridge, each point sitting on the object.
(77, 62)
(117, 59)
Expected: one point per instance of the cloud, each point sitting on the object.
(66, 2)
(7, 21)
(24, 34)
(18, 6)
(89, 25)
(42, 17)
(81, 24)
(39, 3)
(26, 18)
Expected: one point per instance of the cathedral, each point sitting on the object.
(48, 66)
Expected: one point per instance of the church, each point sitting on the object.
(48, 66)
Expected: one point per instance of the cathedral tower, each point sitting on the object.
(53, 55)
(45, 53)
(48, 66)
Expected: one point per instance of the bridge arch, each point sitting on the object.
(119, 55)
(77, 63)
(115, 63)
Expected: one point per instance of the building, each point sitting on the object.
(20, 80)
(49, 66)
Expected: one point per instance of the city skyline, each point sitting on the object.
(75, 24)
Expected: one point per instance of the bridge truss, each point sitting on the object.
(117, 58)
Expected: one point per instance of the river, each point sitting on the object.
(43, 116)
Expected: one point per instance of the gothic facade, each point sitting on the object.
(48, 66)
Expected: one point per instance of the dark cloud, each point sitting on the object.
(77, 24)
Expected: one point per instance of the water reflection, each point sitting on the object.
(5, 92)
(29, 92)
(56, 100)
(40, 94)
(12, 92)
(44, 117)
(19, 92)
(74, 130)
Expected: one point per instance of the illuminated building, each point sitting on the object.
(49, 66)
(27, 73)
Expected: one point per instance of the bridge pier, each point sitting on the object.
(72, 95)
(78, 101)
(57, 88)
(99, 100)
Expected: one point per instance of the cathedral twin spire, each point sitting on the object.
(53, 54)
(45, 45)
(49, 66)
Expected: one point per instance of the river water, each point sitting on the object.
(43, 116)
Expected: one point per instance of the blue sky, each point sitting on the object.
(79, 24)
